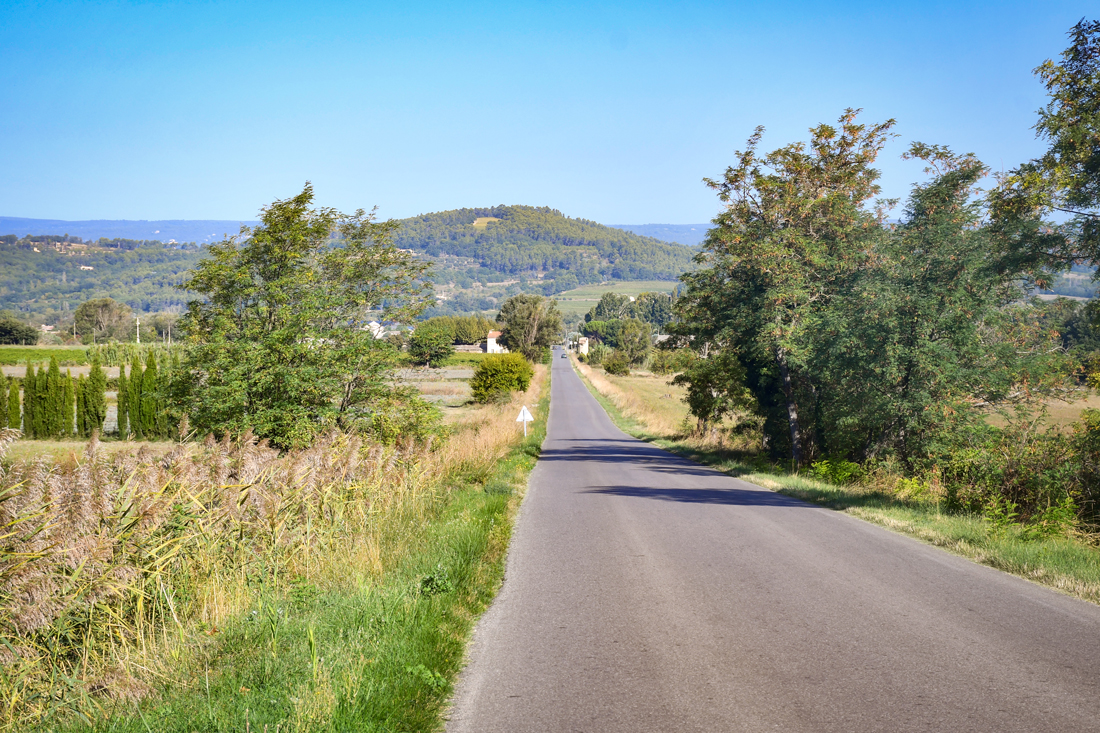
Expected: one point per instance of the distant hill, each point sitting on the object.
(480, 257)
(528, 241)
(181, 230)
(689, 234)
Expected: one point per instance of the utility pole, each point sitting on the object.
(138, 329)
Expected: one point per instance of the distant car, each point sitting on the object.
(564, 355)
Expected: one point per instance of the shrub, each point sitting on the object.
(671, 361)
(616, 364)
(499, 373)
(431, 343)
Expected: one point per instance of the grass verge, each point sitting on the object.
(1068, 564)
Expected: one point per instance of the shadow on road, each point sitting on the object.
(730, 497)
(632, 452)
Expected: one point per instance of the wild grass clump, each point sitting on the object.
(115, 568)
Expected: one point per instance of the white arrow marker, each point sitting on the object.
(524, 417)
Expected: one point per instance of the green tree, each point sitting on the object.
(81, 415)
(123, 402)
(500, 373)
(530, 324)
(792, 233)
(68, 404)
(150, 399)
(42, 404)
(54, 402)
(1066, 178)
(654, 308)
(432, 342)
(929, 330)
(134, 392)
(471, 329)
(95, 397)
(274, 343)
(633, 340)
(14, 418)
(102, 319)
(612, 307)
(14, 332)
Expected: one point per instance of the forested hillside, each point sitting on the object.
(527, 241)
(45, 278)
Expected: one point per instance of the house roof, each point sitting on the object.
(493, 335)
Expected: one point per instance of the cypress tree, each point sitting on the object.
(30, 389)
(54, 401)
(14, 420)
(4, 400)
(149, 398)
(68, 406)
(81, 416)
(123, 400)
(41, 404)
(134, 399)
(95, 393)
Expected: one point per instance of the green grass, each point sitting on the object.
(66, 355)
(1069, 564)
(464, 359)
(376, 657)
(580, 300)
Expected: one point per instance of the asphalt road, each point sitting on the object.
(647, 593)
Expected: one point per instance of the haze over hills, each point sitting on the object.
(181, 230)
(689, 234)
(212, 230)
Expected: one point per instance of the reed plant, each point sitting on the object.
(116, 569)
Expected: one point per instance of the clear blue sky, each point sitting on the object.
(612, 111)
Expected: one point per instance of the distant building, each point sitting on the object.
(582, 345)
(491, 345)
(86, 267)
(45, 329)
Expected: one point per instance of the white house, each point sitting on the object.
(491, 345)
(582, 345)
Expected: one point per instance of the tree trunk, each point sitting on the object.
(792, 410)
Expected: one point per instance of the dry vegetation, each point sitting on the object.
(117, 565)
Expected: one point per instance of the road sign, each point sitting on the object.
(524, 417)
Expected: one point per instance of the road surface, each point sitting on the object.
(647, 593)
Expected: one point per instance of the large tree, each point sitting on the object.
(15, 332)
(278, 342)
(793, 230)
(530, 324)
(103, 319)
(1065, 180)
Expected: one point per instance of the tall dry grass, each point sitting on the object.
(113, 566)
(629, 404)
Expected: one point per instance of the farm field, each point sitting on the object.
(66, 355)
(1059, 412)
(578, 301)
(60, 450)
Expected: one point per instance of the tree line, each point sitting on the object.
(851, 337)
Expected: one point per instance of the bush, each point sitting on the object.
(671, 361)
(616, 364)
(500, 373)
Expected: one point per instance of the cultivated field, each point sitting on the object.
(580, 300)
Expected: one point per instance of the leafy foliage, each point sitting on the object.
(530, 324)
(500, 373)
(432, 342)
(16, 332)
(277, 344)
